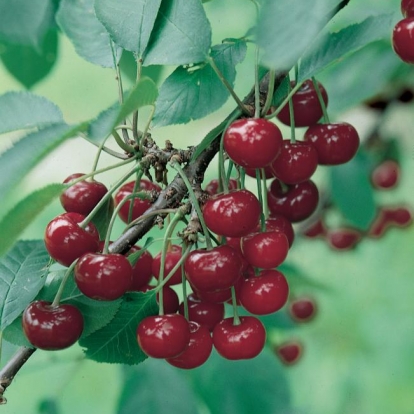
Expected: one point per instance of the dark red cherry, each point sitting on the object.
(386, 175)
(139, 205)
(103, 276)
(52, 328)
(213, 186)
(335, 143)
(289, 352)
(296, 202)
(82, 197)
(217, 296)
(343, 238)
(302, 309)
(198, 350)
(265, 293)
(215, 269)
(163, 336)
(306, 107)
(202, 312)
(407, 8)
(265, 250)
(251, 172)
(252, 142)
(279, 223)
(402, 39)
(172, 257)
(170, 299)
(316, 229)
(243, 341)
(296, 162)
(65, 241)
(399, 216)
(232, 215)
(141, 270)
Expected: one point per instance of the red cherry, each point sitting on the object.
(343, 239)
(335, 143)
(407, 8)
(296, 162)
(402, 39)
(251, 172)
(142, 269)
(388, 217)
(302, 309)
(386, 175)
(164, 336)
(232, 215)
(172, 257)
(264, 294)
(296, 202)
(202, 312)
(217, 296)
(399, 216)
(103, 276)
(170, 299)
(82, 197)
(139, 205)
(215, 269)
(52, 328)
(317, 229)
(213, 186)
(306, 107)
(252, 142)
(243, 341)
(198, 350)
(289, 352)
(265, 250)
(65, 241)
(279, 223)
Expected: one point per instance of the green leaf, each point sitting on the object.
(21, 110)
(194, 92)
(96, 314)
(27, 64)
(331, 47)
(287, 27)
(103, 216)
(181, 35)
(17, 161)
(128, 66)
(352, 191)
(15, 335)
(24, 212)
(141, 391)
(281, 92)
(22, 275)
(240, 387)
(117, 341)
(25, 22)
(77, 20)
(129, 22)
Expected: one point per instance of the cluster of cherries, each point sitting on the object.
(403, 33)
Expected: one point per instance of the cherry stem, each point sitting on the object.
(270, 92)
(242, 178)
(134, 190)
(229, 171)
(264, 192)
(321, 101)
(59, 293)
(146, 128)
(236, 319)
(195, 203)
(292, 117)
(259, 193)
(256, 85)
(126, 147)
(98, 155)
(148, 215)
(184, 290)
(284, 102)
(135, 115)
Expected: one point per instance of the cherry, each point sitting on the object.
(302, 309)
(306, 106)
(388, 217)
(232, 215)
(279, 223)
(264, 294)
(407, 8)
(217, 296)
(386, 175)
(202, 312)
(343, 238)
(139, 205)
(170, 299)
(142, 269)
(215, 269)
(296, 202)
(296, 162)
(251, 172)
(65, 241)
(213, 186)
(103, 276)
(402, 39)
(198, 350)
(400, 216)
(163, 336)
(335, 143)
(252, 142)
(52, 328)
(243, 341)
(82, 197)
(172, 257)
(265, 250)
(317, 229)
(289, 352)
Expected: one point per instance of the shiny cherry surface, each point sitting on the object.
(252, 142)
(170, 299)
(281, 223)
(172, 257)
(65, 241)
(141, 270)
(407, 8)
(217, 296)
(213, 186)
(52, 328)
(302, 309)
(402, 39)
(386, 175)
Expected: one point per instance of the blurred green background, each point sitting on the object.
(358, 352)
